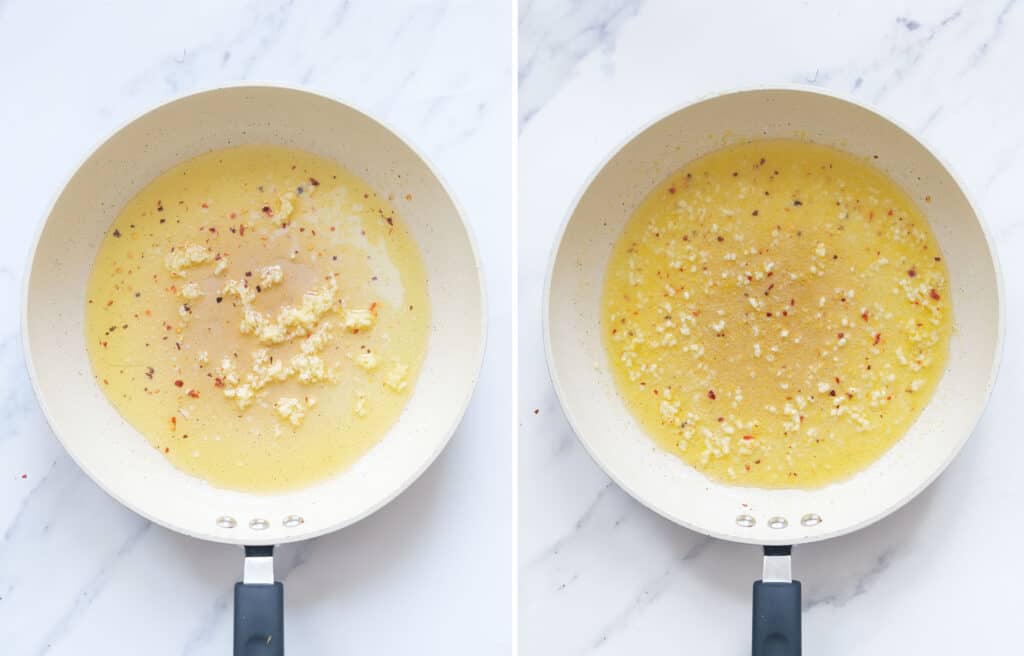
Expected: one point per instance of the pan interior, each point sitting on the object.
(660, 480)
(120, 459)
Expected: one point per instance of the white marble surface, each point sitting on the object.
(602, 575)
(429, 574)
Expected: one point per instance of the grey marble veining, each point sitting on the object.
(428, 574)
(600, 574)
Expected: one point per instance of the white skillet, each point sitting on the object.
(118, 458)
(779, 518)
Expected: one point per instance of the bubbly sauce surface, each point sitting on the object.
(777, 314)
(260, 315)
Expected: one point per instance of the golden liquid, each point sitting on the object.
(776, 314)
(159, 354)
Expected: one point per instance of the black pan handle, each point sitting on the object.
(259, 607)
(776, 624)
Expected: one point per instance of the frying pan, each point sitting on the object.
(776, 519)
(120, 460)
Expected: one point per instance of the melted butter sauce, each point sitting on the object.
(777, 314)
(260, 315)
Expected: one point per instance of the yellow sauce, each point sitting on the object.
(260, 315)
(776, 314)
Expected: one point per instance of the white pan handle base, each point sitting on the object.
(259, 606)
(776, 618)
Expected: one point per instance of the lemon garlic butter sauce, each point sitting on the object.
(777, 313)
(260, 315)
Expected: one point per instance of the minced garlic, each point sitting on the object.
(185, 257)
(216, 348)
(795, 271)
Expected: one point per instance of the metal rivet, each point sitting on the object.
(291, 521)
(746, 521)
(810, 519)
(259, 524)
(226, 521)
(777, 522)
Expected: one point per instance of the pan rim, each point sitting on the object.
(570, 416)
(299, 535)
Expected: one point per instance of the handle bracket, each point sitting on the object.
(776, 626)
(259, 606)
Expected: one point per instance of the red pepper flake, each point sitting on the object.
(110, 302)
(934, 294)
(194, 394)
(174, 423)
(218, 382)
(233, 215)
(205, 206)
(159, 206)
(671, 190)
(889, 213)
(241, 230)
(769, 290)
(117, 233)
(840, 335)
(864, 315)
(748, 437)
(314, 182)
(912, 272)
(332, 228)
(179, 383)
(266, 210)
(801, 419)
(373, 307)
(711, 394)
(149, 372)
(878, 338)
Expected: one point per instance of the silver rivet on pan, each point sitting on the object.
(259, 524)
(226, 521)
(746, 521)
(777, 522)
(810, 519)
(291, 521)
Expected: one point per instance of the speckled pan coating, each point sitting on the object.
(661, 481)
(119, 459)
